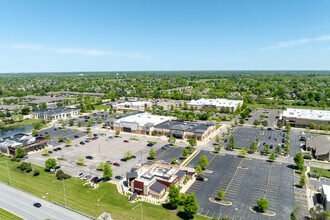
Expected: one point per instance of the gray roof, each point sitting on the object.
(11, 107)
(184, 126)
(131, 175)
(320, 143)
(16, 140)
(181, 173)
(158, 187)
(55, 111)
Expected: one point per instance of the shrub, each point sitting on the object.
(17, 159)
(24, 167)
(13, 159)
(36, 172)
(60, 175)
(309, 157)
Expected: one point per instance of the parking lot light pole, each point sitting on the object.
(141, 209)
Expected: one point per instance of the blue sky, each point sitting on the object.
(137, 35)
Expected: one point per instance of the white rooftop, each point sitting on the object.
(216, 102)
(148, 176)
(135, 104)
(307, 114)
(326, 191)
(145, 118)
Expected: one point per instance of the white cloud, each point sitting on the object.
(286, 44)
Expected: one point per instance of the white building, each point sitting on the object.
(216, 103)
(304, 117)
(326, 197)
(132, 106)
(55, 113)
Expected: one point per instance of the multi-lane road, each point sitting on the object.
(21, 204)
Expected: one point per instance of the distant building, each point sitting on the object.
(11, 108)
(320, 146)
(304, 117)
(154, 179)
(68, 94)
(37, 100)
(55, 113)
(216, 103)
(132, 106)
(325, 199)
(9, 144)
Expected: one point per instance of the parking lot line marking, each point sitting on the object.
(213, 214)
(300, 198)
(201, 211)
(219, 215)
(233, 176)
(299, 193)
(207, 212)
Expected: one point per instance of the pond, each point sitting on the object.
(7, 132)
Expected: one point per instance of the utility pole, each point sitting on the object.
(141, 209)
(64, 193)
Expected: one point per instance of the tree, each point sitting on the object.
(243, 152)
(203, 162)
(88, 129)
(20, 152)
(265, 123)
(43, 105)
(45, 151)
(117, 132)
(236, 122)
(71, 122)
(50, 164)
(256, 123)
(278, 150)
(287, 127)
(35, 132)
(272, 156)
(174, 196)
(79, 124)
(60, 139)
(221, 194)
(192, 142)
(37, 125)
(107, 171)
(68, 141)
(100, 167)
(262, 204)
(174, 160)
(279, 124)
(190, 205)
(89, 135)
(184, 152)
(253, 147)
(293, 216)
(266, 149)
(171, 140)
(152, 153)
(217, 148)
(128, 154)
(299, 160)
(25, 110)
(302, 181)
(80, 161)
(241, 121)
(63, 124)
(231, 144)
(60, 175)
(199, 170)
(217, 139)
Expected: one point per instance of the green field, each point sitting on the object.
(8, 216)
(101, 107)
(25, 122)
(90, 201)
(321, 172)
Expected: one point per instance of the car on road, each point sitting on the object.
(87, 177)
(80, 175)
(82, 143)
(126, 141)
(77, 145)
(116, 164)
(89, 157)
(37, 204)
(119, 177)
(150, 144)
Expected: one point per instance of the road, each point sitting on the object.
(21, 204)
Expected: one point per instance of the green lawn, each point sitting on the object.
(8, 216)
(101, 107)
(25, 122)
(321, 172)
(90, 201)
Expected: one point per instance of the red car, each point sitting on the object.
(41, 135)
(94, 138)
(126, 141)
(116, 164)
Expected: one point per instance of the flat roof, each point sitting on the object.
(326, 191)
(216, 102)
(184, 126)
(55, 111)
(311, 114)
(320, 143)
(158, 187)
(15, 140)
(139, 103)
(144, 118)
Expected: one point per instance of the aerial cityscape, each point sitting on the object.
(165, 110)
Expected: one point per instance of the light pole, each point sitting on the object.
(141, 209)
(8, 173)
(64, 192)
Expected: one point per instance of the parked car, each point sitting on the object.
(109, 162)
(126, 141)
(94, 138)
(46, 132)
(50, 152)
(271, 146)
(59, 148)
(87, 177)
(82, 143)
(116, 164)
(55, 149)
(150, 144)
(123, 159)
(80, 175)
(41, 135)
(25, 158)
(76, 136)
(55, 129)
(200, 178)
(119, 177)
(302, 139)
(283, 140)
(57, 167)
(89, 157)
(264, 143)
(88, 140)
(77, 145)
(95, 178)
(95, 135)
(37, 204)
(166, 146)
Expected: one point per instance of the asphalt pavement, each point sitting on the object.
(21, 204)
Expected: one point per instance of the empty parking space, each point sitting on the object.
(300, 197)
(166, 156)
(65, 133)
(270, 115)
(194, 162)
(244, 182)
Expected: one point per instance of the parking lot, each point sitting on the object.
(270, 116)
(166, 156)
(194, 162)
(65, 133)
(244, 182)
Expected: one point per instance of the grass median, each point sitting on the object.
(8, 216)
(90, 201)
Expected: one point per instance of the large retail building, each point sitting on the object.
(304, 117)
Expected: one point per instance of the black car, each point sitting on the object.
(95, 135)
(59, 148)
(302, 139)
(46, 132)
(55, 149)
(283, 140)
(89, 157)
(50, 152)
(82, 143)
(57, 167)
(200, 178)
(76, 136)
(37, 204)
(271, 146)
(55, 129)
(150, 144)
(119, 177)
(123, 159)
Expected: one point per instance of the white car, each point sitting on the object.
(80, 175)
(87, 177)
(77, 145)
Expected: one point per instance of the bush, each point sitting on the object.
(13, 159)
(36, 172)
(60, 175)
(24, 167)
(309, 157)
(17, 159)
